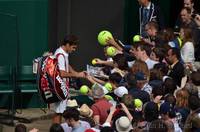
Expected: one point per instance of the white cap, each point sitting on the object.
(120, 91)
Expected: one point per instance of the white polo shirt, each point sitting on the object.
(63, 64)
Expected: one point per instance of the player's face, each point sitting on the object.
(71, 48)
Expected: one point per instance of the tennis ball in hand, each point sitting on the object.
(138, 103)
(94, 61)
(108, 97)
(108, 86)
(136, 38)
(103, 35)
(111, 51)
(84, 89)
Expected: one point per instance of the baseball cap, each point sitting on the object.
(165, 108)
(120, 91)
(140, 76)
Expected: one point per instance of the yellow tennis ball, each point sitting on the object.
(102, 36)
(111, 51)
(108, 97)
(138, 103)
(136, 38)
(94, 61)
(108, 86)
(84, 89)
(179, 41)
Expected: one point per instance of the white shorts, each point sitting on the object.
(59, 107)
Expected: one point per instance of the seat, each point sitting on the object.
(7, 86)
(26, 83)
(6, 79)
(26, 80)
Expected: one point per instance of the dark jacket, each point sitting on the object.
(154, 15)
(177, 72)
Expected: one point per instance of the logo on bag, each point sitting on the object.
(63, 86)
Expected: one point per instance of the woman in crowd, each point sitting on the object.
(187, 49)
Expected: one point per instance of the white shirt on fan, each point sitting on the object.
(187, 52)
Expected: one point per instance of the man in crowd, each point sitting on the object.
(149, 12)
(176, 68)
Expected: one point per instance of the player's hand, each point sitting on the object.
(81, 74)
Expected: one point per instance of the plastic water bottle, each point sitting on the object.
(35, 64)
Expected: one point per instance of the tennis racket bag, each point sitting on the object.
(51, 86)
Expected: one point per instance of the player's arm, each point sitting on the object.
(72, 73)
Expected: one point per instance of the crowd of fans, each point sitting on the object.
(155, 83)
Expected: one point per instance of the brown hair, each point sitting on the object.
(195, 78)
(70, 39)
(153, 25)
(160, 53)
(128, 100)
(20, 128)
(155, 74)
(143, 46)
(189, 11)
(182, 98)
(187, 34)
(140, 66)
(167, 34)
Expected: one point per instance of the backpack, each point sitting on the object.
(51, 86)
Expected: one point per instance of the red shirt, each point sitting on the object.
(101, 108)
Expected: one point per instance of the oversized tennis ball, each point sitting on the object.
(108, 97)
(138, 103)
(136, 38)
(111, 51)
(108, 86)
(94, 61)
(103, 35)
(84, 89)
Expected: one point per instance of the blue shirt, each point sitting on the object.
(78, 128)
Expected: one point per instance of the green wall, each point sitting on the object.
(26, 29)
(23, 36)
(8, 39)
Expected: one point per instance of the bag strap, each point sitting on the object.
(64, 58)
(67, 80)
